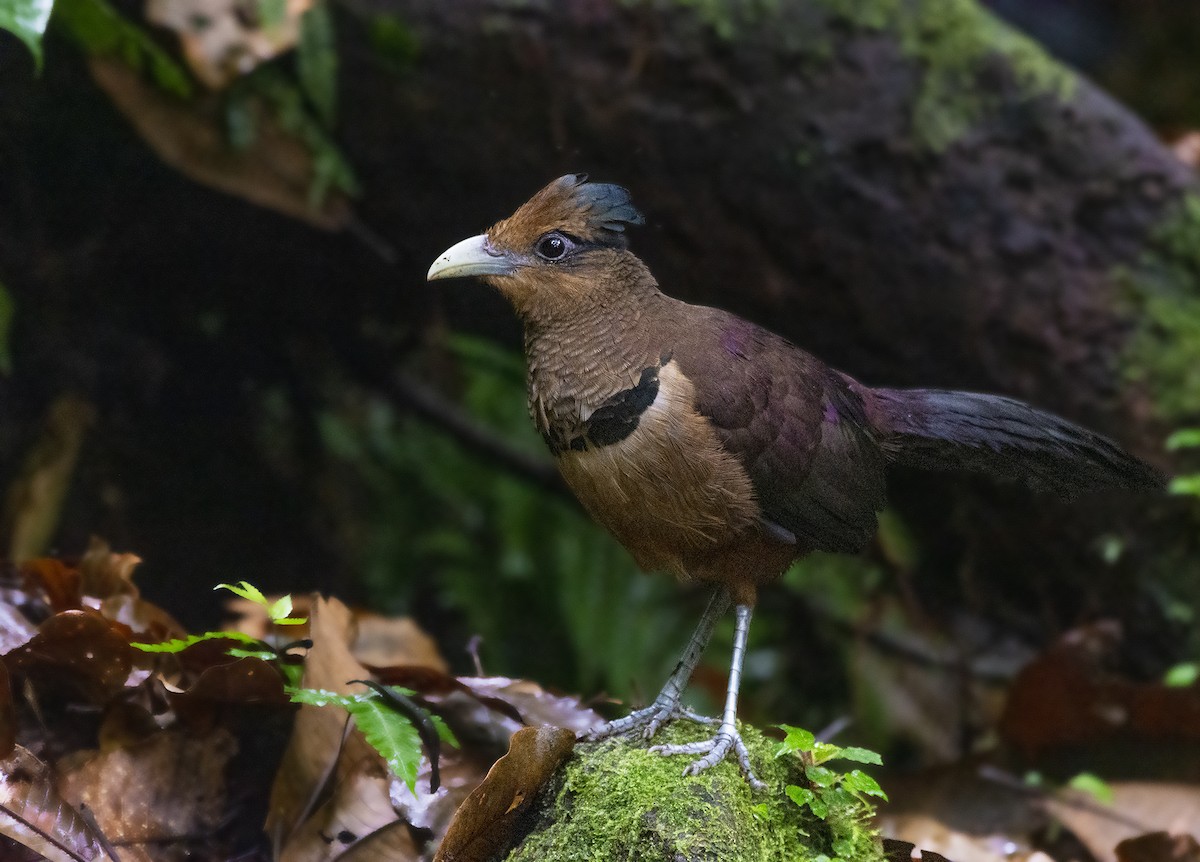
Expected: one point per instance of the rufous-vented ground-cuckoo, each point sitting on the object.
(713, 448)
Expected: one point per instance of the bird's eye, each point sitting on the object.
(552, 246)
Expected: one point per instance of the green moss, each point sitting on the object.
(1163, 287)
(616, 801)
(952, 40)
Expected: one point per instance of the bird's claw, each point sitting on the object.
(649, 720)
(714, 751)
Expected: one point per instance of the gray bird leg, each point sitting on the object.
(666, 706)
(715, 749)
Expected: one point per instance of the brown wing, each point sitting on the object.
(796, 426)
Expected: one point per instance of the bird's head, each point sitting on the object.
(564, 242)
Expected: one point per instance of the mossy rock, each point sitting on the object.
(614, 800)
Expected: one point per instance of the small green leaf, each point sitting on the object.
(821, 776)
(803, 796)
(761, 811)
(860, 755)
(280, 610)
(316, 61)
(1093, 785)
(27, 20)
(857, 781)
(444, 732)
(796, 739)
(823, 751)
(1185, 485)
(180, 644)
(1182, 675)
(7, 309)
(1184, 438)
(392, 735)
(247, 591)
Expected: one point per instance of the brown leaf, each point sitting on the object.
(904, 851)
(1159, 847)
(79, 648)
(275, 171)
(487, 821)
(359, 812)
(388, 641)
(167, 788)
(8, 714)
(243, 682)
(61, 584)
(1138, 807)
(104, 574)
(33, 814)
(320, 749)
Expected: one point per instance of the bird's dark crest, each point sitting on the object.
(591, 212)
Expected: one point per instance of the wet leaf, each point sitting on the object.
(388, 642)
(485, 823)
(79, 648)
(903, 851)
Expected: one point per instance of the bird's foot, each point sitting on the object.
(715, 750)
(647, 721)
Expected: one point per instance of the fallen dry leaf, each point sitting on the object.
(389, 641)
(80, 649)
(1159, 847)
(168, 788)
(1138, 807)
(358, 813)
(33, 814)
(321, 749)
(486, 822)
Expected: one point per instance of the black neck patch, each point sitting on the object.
(612, 421)
(618, 416)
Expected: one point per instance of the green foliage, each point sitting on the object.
(394, 42)
(388, 731)
(278, 611)
(553, 596)
(270, 85)
(1094, 786)
(100, 29)
(838, 798)
(180, 644)
(1182, 675)
(7, 311)
(1163, 353)
(27, 20)
(317, 62)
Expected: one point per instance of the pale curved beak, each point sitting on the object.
(470, 257)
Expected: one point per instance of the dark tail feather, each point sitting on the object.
(938, 429)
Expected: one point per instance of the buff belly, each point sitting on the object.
(674, 497)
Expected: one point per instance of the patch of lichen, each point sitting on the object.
(1163, 287)
(952, 40)
(617, 801)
